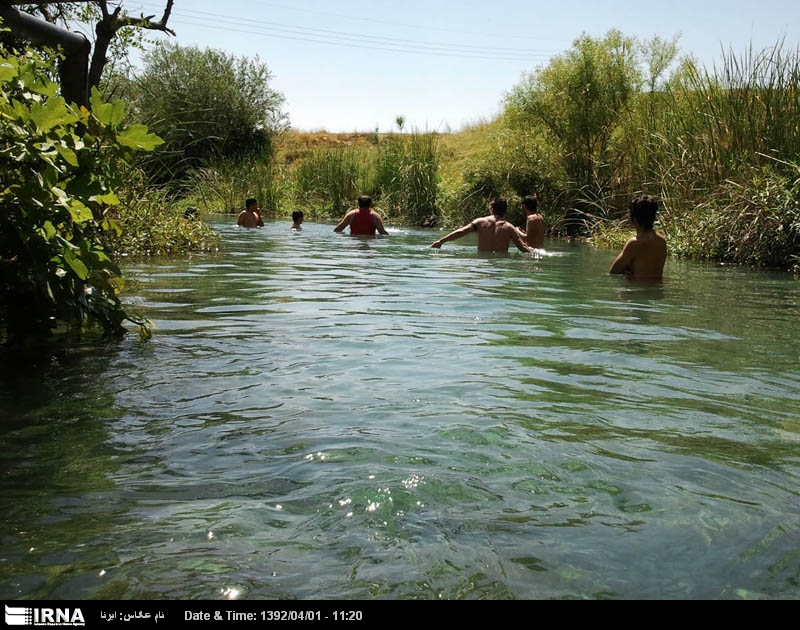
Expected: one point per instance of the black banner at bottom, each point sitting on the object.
(158, 613)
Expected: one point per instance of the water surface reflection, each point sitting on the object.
(320, 416)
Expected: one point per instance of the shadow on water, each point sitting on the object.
(57, 461)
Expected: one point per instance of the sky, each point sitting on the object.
(357, 65)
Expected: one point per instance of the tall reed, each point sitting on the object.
(405, 175)
(743, 114)
(329, 180)
(725, 156)
(224, 186)
(400, 172)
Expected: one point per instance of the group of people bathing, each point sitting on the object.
(642, 257)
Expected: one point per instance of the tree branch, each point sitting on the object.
(119, 21)
(106, 29)
(146, 22)
(21, 2)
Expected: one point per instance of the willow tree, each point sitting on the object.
(206, 105)
(580, 97)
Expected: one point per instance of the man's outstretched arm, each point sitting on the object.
(455, 234)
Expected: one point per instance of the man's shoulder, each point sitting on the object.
(653, 239)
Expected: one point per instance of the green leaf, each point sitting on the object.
(137, 137)
(79, 212)
(107, 113)
(111, 224)
(68, 154)
(109, 199)
(101, 257)
(76, 264)
(60, 196)
(8, 70)
(21, 111)
(53, 112)
(49, 230)
(47, 89)
(47, 158)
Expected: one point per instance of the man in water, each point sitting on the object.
(362, 220)
(534, 224)
(250, 217)
(297, 220)
(643, 256)
(494, 232)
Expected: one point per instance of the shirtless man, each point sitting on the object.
(643, 256)
(363, 221)
(297, 220)
(250, 217)
(534, 224)
(494, 232)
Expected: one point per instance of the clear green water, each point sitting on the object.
(325, 417)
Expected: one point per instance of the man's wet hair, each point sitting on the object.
(365, 201)
(250, 201)
(643, 208)
(530, 202)
(499, 207)
(297, 214)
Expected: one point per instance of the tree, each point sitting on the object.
(114, 29)
(580, 98)
(206, 105)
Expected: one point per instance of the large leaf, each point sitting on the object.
(107, 113)
(68, 155)
(137, 137)
(51, 113)
(79, 212)
(8, 70)
(76, 264)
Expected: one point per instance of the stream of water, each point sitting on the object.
(320, 416)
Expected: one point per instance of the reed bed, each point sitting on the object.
(224, 186)
(329, 180)
(727, 157)
(400, 172)
(744, 114)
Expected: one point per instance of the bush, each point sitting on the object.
(756, 223)
(206, 105)
(150, 222)
(60, 166)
